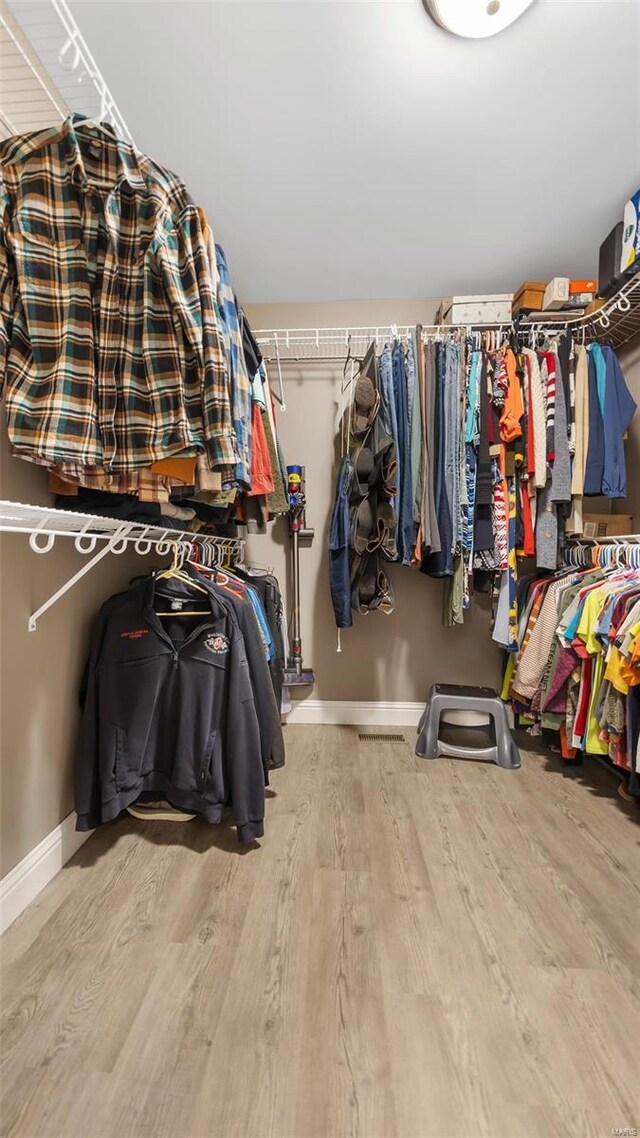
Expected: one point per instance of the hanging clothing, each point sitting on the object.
(339, 542)
(262, 480)
(594, 467)
(238, 377)
(575, 664)
(575, 522)
(258, 642)
(619, 409)
(430, 533)
(113, 358)
(127, 364)
(415, 442)
(479, 454)
(560, 490)
(266, 585)
(404, 500)
(440, 563)
(538, 413)
(169, 711)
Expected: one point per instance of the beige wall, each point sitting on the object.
(388, 658)
(40, 671)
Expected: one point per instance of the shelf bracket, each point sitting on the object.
(279, 397)
(110, 547)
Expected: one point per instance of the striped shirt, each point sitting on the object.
(109, 349)
(549, 375)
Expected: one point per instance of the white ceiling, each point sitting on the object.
(354, 150)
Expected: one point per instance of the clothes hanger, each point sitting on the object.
(98, 122)
(202, 613)
(256, 568)
(174, 573)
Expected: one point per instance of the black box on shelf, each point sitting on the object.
(609, 276)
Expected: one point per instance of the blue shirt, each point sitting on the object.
(619, 411)
(594, 468)
(256, 602)
(239, 381)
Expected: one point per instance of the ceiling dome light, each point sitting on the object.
(476, 18)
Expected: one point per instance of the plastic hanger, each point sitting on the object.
(98, 121)
(174, 573)
(96, 124)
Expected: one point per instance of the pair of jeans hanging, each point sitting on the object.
(405, 503)
(440, 564)
(387, 412)
(339, 580)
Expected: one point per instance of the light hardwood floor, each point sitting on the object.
(416, 949)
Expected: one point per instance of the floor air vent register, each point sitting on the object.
(381, 738)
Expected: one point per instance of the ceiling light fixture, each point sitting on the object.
(476, 19)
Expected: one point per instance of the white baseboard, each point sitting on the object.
(29, 877)
(364, 714)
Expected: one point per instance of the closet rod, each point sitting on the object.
(614, 539)
(605, 551)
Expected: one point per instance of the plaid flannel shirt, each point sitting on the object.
(109, 348)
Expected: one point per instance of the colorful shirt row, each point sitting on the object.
(577, 665)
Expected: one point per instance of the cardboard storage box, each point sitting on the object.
(556, 294)
(580, 299)
(609, 275)
(583, 286)
(607, 525)
(582, 293)
(492, 309)
(529, 297)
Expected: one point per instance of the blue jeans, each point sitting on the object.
(339, 535)
(441, 564)
(387, 412)
(399, 398)
(405, 501)
(453, 435)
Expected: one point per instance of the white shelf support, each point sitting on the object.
(110, 547)
(42, 525)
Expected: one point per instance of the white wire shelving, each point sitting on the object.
(47, 70)
(618, 321)
(43, 524)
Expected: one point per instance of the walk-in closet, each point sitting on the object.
(319, 568)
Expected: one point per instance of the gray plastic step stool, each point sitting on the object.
(450, 697)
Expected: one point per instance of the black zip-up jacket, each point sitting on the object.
(175, 719)
(268, 711)
(269, 591)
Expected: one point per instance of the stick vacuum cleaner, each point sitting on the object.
(295, 673)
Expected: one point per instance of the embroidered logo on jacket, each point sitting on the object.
(217, 643)
(134, 634)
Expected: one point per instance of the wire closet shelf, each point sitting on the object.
(47, 70)
(43, 524)
(617, 322)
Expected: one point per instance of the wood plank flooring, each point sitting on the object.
(416, 949)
